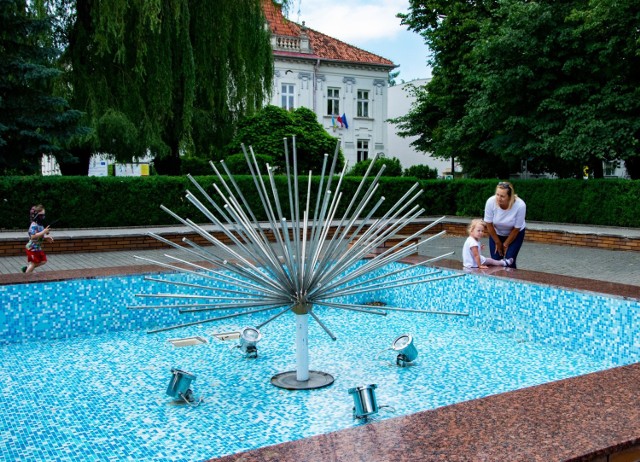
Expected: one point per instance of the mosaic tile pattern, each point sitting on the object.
(84, 382)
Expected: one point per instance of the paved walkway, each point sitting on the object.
(603, 265)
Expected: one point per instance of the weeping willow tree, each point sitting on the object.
(165, 77)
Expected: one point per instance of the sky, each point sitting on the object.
(371, 25)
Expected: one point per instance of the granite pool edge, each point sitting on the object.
(585, 418)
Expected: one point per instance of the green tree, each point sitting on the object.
(450, 30)
(551, 83)
(164, 77)
(266, 130)
(421, 172)
(553, 89)
(33, 121)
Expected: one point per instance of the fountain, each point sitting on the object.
(304, 265)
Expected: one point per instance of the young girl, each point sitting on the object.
(37, 235)
(471, 256)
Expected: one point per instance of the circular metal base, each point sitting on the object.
(288, 380)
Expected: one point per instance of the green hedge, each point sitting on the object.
(88, 202)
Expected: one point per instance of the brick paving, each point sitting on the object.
(582, 262)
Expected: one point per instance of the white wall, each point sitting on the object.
(304, 73)
(400, 102)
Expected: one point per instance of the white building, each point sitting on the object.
(334, 79)
(401, 98)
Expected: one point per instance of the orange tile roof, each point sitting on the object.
(323, 46)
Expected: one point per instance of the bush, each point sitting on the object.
(195, 166)
(421, 172)
(266, 130)
(237, 164)
(392, 167)
(92, 202)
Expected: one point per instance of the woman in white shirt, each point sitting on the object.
(504, 214)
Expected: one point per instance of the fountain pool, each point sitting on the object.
(81, 379)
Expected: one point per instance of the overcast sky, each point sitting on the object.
(371, 25)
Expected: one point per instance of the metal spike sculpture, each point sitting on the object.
(304, 265)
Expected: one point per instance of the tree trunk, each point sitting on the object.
(77, 164)
(633, 167)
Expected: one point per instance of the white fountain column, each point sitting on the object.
(302, 347)
(302, 342)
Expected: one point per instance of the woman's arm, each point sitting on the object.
(512, 235)
(496, 240)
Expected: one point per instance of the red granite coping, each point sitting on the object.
(579, 419)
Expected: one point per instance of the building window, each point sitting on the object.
(610, 168)
(363, 103)
(287, 96)
(333, 101)
(363, 150)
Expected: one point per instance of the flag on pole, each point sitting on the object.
(340, 121)
(344, 120)
(333, 123)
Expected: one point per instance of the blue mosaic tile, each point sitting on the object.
(81, 380)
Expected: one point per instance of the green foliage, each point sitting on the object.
(195, 166)
(118, 136)
(81, 202)
(181, 73)
(237, 164)
(266, 130)
(554, 83)
(392, 167)
(32, 120)
(421, 172)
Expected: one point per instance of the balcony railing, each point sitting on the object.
(289, 43)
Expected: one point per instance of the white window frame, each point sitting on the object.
(288, 96)
(333, 101)
(363, 104)
(362, 150)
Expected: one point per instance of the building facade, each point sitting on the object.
(401, 97)
(345, 86)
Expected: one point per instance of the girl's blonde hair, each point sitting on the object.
(474, 223)
(510, 191)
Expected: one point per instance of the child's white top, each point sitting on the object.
(505, 220)
(467, 257)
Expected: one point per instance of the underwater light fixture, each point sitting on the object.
(364, 401)
(249, 336)
(179, 385)
(407, 351)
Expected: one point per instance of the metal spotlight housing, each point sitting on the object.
(179, 385)
(364, 400)
(249, 337)
(407, 351)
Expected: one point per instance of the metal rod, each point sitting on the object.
(388, 287)
(232, 306)
(260, 326)
(415, 310)
(325, 328)
(195, 323)
(360, 308)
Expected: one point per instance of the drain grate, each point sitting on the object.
(186, 341)
(227, 335)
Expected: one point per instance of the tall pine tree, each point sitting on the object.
(33, 121)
